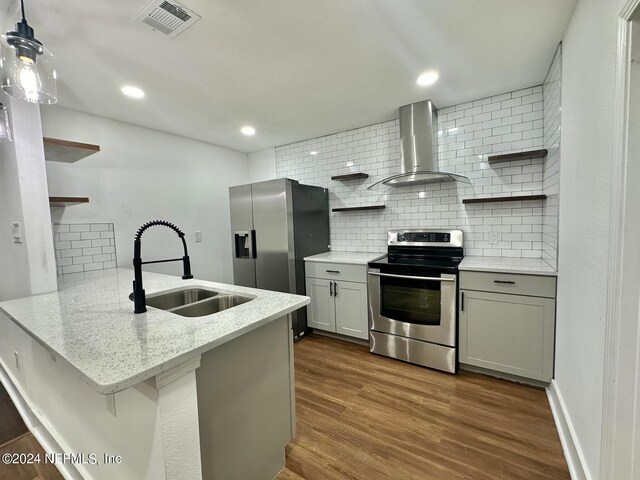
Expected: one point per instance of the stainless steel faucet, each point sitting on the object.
(138, 296)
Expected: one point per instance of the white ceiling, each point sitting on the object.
(294, 69)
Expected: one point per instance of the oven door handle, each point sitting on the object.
(412, 277)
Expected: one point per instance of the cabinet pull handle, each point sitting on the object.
(331, 289)
(335, 289)
(333, 271)
(462, 302)
(504, 282)
(412, 277)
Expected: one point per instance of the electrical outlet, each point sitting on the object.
(493, 238)
(198, 235)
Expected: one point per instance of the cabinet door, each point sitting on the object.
(351, 309)
(508, 333)
(321, 311)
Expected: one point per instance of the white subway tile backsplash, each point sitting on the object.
(89, 235)
(72, 269)
(467, 133)
(69, 236)
(83, 259)
(60, 245)
(82, 227)
(551, 92)
(72, 252)
(84, 247)
(80, 243)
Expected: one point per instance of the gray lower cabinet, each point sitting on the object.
(510, 332)
(338, 306)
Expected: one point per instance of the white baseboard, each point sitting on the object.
(34, 424)
(571, 447)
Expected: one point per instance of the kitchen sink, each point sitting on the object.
(212, 305)
(171, 300)
(196, 302)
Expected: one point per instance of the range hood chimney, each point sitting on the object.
(419, 148)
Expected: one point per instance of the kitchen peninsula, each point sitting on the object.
(175, 396)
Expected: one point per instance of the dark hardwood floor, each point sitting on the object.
(362, 416)
(16, 438)
(11, 424)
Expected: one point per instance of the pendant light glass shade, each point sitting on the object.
(26, 69)
(5, 126)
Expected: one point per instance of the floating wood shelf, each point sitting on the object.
(67, 201)
(350, 176)
(519, 198)
(356, 209)
(509, 157)
(56, 150)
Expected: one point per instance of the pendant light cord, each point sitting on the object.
(22, 6)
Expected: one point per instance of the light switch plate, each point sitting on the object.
(493, 238)
(198, 235)
(17, 232)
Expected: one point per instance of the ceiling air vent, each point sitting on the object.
(170, 18)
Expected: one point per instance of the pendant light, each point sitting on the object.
(5, 126)
(26, 67)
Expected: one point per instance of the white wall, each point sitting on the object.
(262, 165)
(13, 256)
(142, 175)
(28, 267)
(588, 78)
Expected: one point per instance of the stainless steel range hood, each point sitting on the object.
(419, 149)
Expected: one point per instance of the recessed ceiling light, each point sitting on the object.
(133, 92)
(313, 152)
(428, 78)
(248, 130)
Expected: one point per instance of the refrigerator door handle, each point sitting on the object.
(252, 245)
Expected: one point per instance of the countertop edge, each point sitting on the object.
(128, 382)
(108, 389)
(374, 256)
(474, 264)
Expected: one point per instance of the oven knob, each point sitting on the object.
(400, 237)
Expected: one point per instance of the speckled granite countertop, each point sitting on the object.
(526, 266)
(355, 258)
(91, 325)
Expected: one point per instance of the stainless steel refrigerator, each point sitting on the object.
(275, 224)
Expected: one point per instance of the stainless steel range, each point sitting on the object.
(412, 298)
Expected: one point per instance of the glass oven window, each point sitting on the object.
(409, 300)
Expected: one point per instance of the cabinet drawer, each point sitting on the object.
(515, 284)
(337, 271)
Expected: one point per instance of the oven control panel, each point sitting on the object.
(439, 238)
(424, 237)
